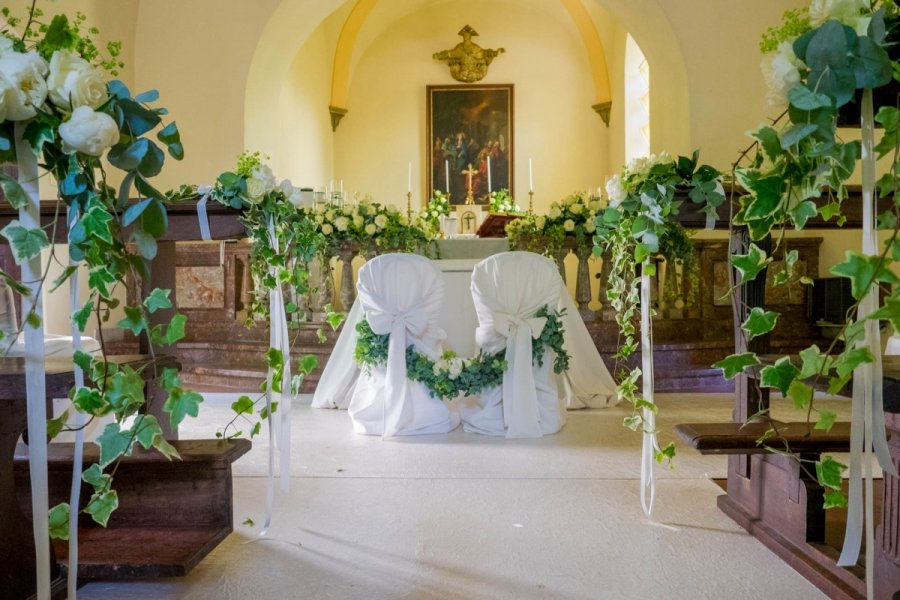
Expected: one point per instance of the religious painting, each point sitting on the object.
(470, 141)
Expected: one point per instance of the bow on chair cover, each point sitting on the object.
(400, 295)
(508, 289)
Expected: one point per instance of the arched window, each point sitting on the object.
(637, 101)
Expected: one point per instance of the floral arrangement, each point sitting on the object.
(59, 107)
(573, 217)
(452, 375)
(635, 228)
(377, 228)
(502, 202)
(817, 63)
(438, 206)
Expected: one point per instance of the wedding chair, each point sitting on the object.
(508, 290)
(400, 295)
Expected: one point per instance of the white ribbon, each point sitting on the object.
(205, 191)
(650, 443)
(35, 387)
(521, 417)
(867, 413)
(78, 423)
(397, 412)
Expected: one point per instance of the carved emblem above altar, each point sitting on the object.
(467, 60)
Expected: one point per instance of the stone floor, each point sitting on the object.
(461, 516)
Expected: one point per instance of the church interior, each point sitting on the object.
(342, 98)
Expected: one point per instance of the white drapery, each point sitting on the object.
(400, 295)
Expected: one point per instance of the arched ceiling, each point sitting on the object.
(362, 10)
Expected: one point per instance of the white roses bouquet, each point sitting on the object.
(375, 227)
(438, 206)
(502, 202)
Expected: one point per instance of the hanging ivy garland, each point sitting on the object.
(452, 375)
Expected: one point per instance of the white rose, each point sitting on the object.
(256, 189)
(296, 197)
(341, 223)
(6, 45)
(358, 221)
(371, 210)
(329, 214)
(73, 82)
(589, 226)
(596, 205)
(539, 222)
(569, 225)
(371, 229)
(24, 73)
(381, 220)
(781, 72)
(319, 219)
(615, 190)
(576, 208)
(455, 368)
(286, 187)
(569, 200)
(845, 11)
(327, 229)
(555, 213)
(88, 131)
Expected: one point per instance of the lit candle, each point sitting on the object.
(530, 177)
(342, 186)
(409, 179)
(489, 174)
(447, 175)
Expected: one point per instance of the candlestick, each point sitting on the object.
(409, 206)
(489, 174)
(409, 179)
(447, 175)
(342, 187)
(530, 177)
(531, 202)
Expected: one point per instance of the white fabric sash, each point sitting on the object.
(204, 191)
(650, 443)
(35, 386)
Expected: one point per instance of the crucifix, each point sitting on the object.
(469, 221)
(470, 199)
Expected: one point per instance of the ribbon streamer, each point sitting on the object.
(35, 386)
(205, 191)
(867, 413)
(78, 423)
(650, 443)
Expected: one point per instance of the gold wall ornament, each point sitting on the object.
(467, 60)
(603, 110)
(337, 113)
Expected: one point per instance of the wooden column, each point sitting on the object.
(583, 283)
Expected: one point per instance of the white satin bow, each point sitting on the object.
(521, 413)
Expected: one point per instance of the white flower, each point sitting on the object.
(341, 223)
(555, 213)
(358, 221)
(296, 197)
(456, 367)
(781, 72)
(89, 132)
(286, 187)
(371, 229)
(597, 204)
(265, 175)
(327, 229)
(371, 210)
(381, 221)
(654, 210)
(24, 73)
(319, 219)
(640, 164)
(73, 82)
(589, 226)
(576, 208)
(569, 200)
(539, 222)
(615, 190)
(845, 11)
(329, 215)
(6, 45)
(569, 225)
(256, 189)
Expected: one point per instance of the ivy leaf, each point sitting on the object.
(736, 363)
(307, 364)
(95, 477)
(83, 360)
(80, 317)
(13, 191)
(749, 265)
(801, 394)
(102, 505)
(96, 223)
(847, 362)
(25, 243)
(100, 278)
(780, 375)
(158, 298)
(795, 133)
(829, 472)
(889, 311)
(90, 401)
(863, 272)
(54, 426)
(180, 404)
(759, 322)
(64, 276)
(803, 212)
(135, 320)
(826, 420)
(834, 499)
(59, 521)
(113, 443)
(814, 362)
(768, 139)
(634, 422)
(243, 405)
(175, 330)
(766, 199)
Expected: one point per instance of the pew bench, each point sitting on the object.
(776, 498)
(171, 513)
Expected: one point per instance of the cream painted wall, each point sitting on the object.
(554, 123)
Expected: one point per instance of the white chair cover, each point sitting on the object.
(400, 294)
(587, 383)
(508, 289)
(335, 386)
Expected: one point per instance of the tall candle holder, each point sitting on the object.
(531, 202)
(409, 206)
